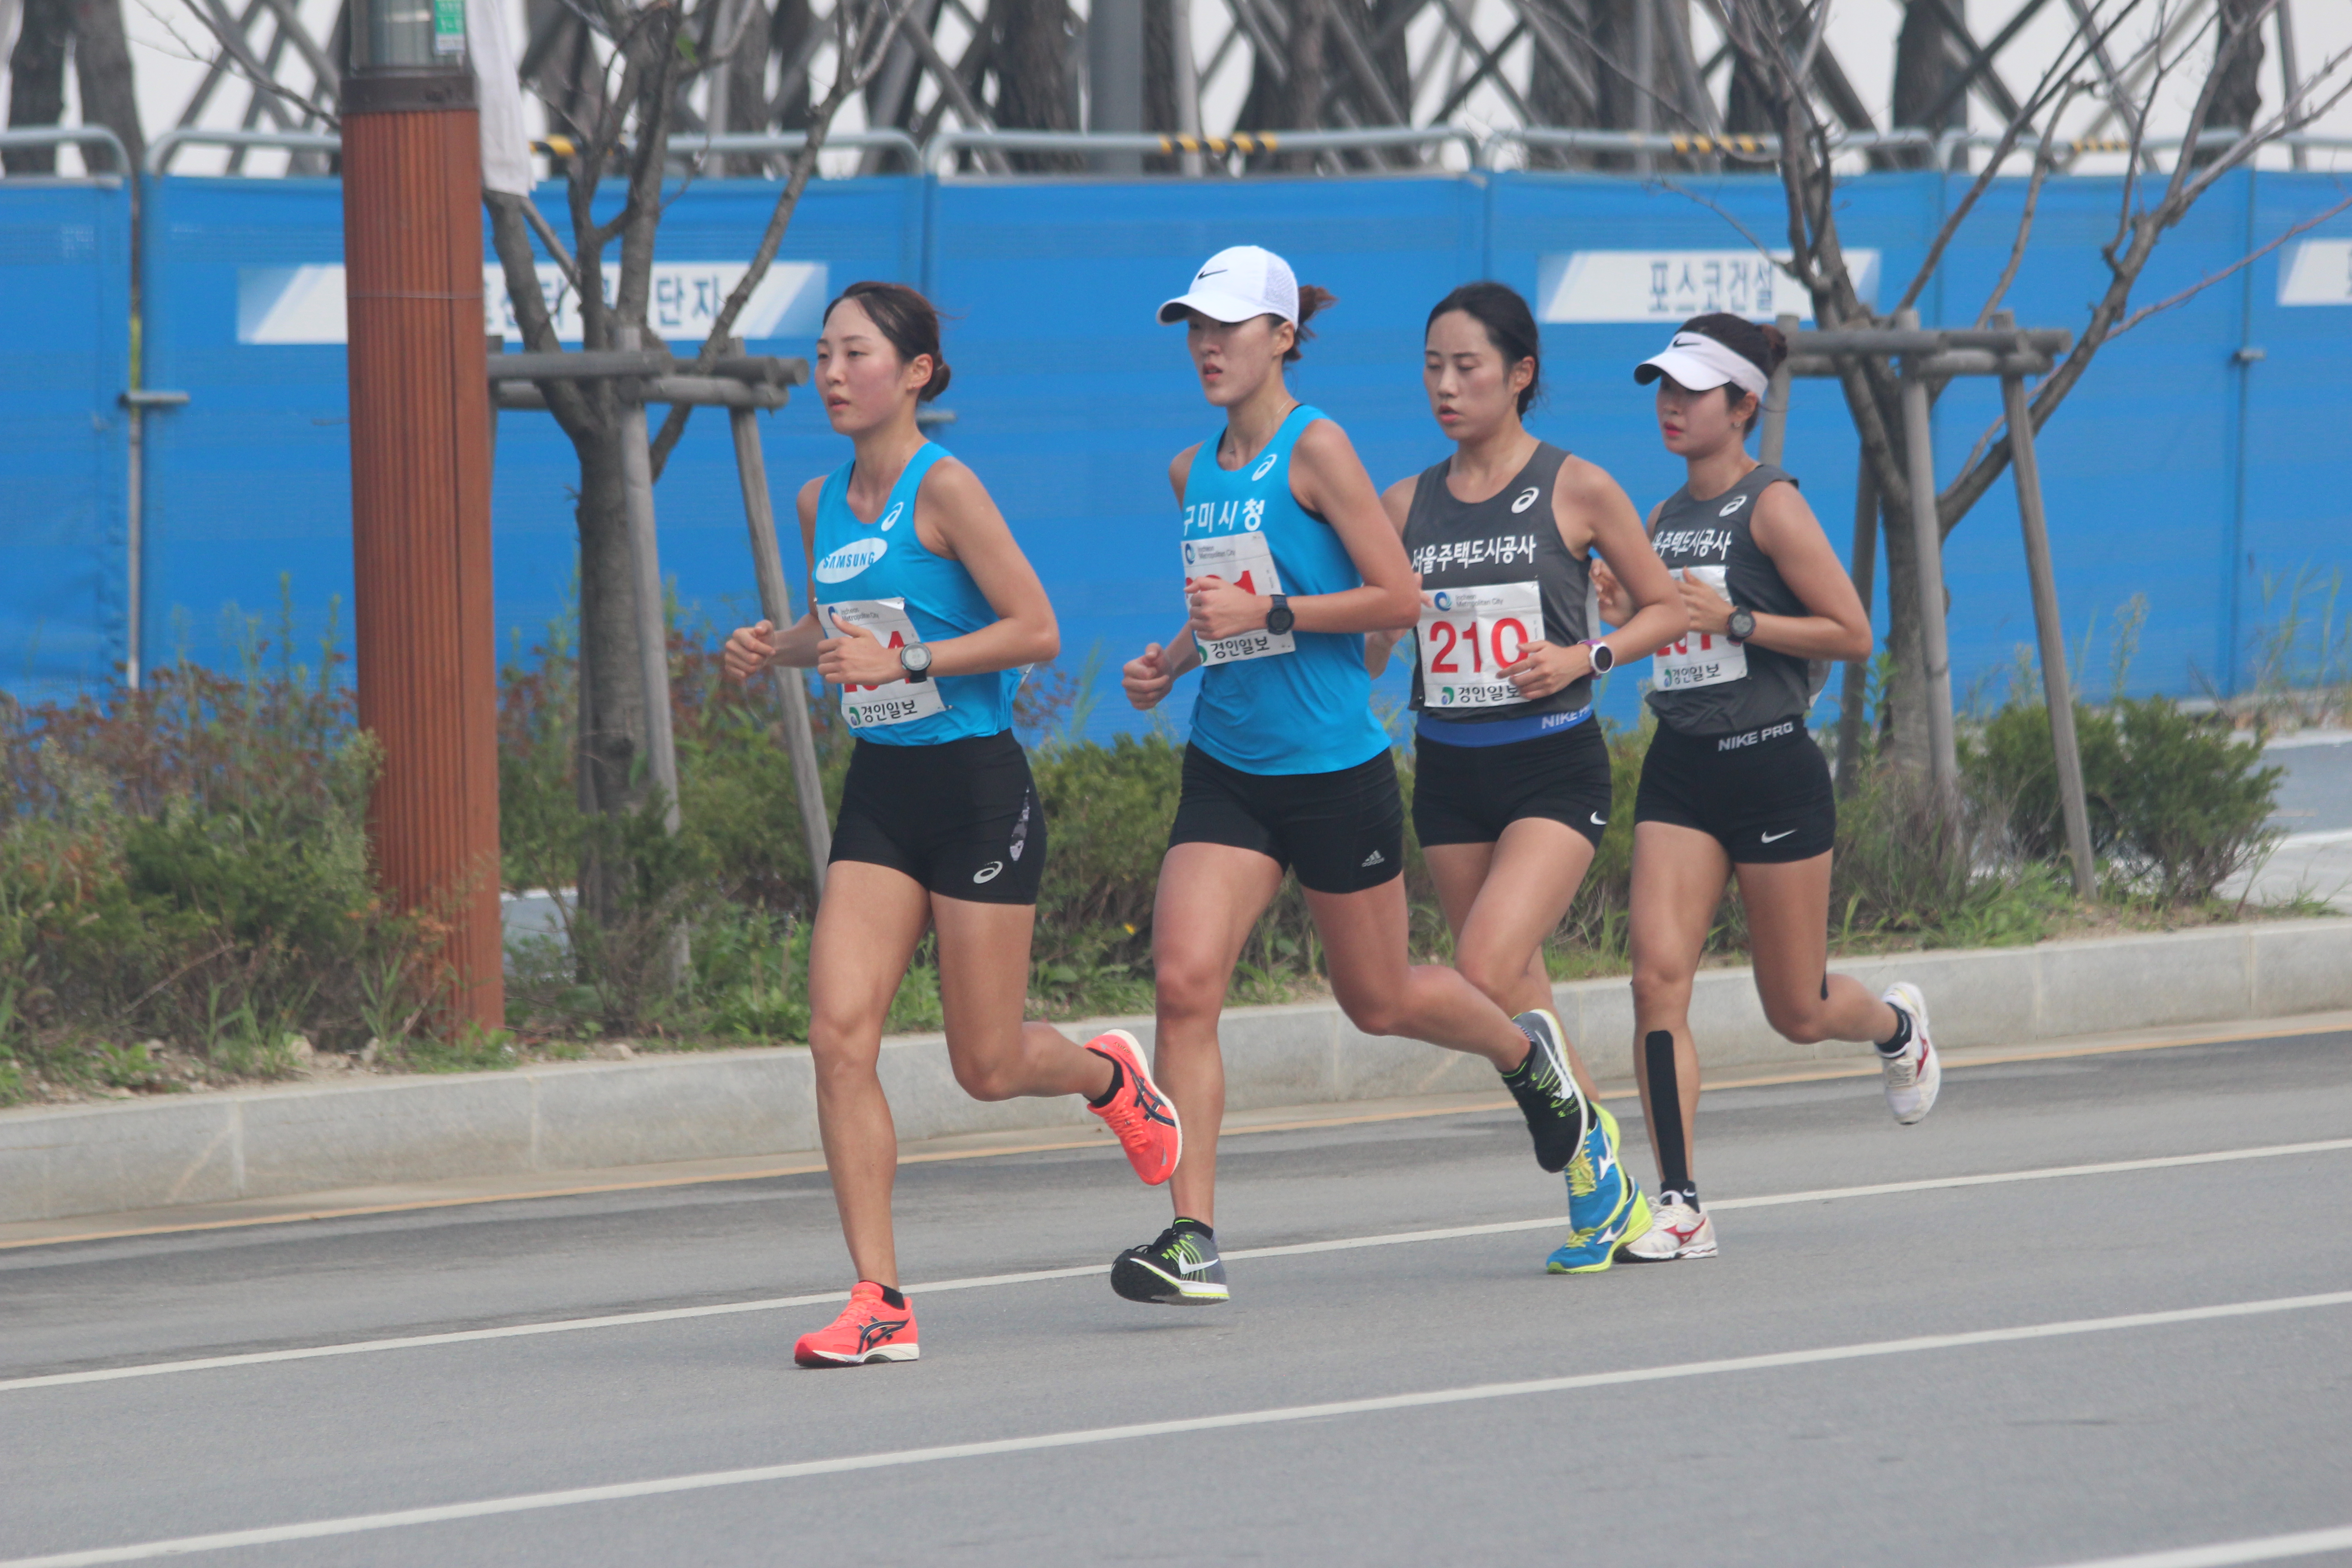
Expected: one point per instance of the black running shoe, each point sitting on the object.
(1181, 1270)
(1558, 1118)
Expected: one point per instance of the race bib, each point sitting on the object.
(894, 702)
(1699, 659)
(1467, 635)
(1245, 560)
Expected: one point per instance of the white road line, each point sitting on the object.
(533, 1501)
(1343, 1244)
(2268, 1549)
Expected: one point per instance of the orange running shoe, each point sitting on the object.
(1144, 1119)
(869, 1329)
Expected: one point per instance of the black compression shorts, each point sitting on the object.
(962, 818)
(1342, 832)
(1764, 794)
(1468, 795)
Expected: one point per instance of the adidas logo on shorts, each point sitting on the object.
(1375, 858)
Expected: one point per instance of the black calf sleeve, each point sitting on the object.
(1666, 1110)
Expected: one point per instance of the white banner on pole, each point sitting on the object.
(305, 304)
(1672, 286)
(498, 93)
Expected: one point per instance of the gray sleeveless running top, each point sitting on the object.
(1717, 533)
(1510, 537)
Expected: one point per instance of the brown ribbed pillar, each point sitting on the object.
(421, 508)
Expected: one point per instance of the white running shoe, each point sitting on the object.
(1677, 1231)
(1915, 1073)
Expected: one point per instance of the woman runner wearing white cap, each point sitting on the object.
(1287, 562)
(1511, 788)
(1733, 783)
(922, 608)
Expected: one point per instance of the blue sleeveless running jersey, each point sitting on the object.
(884, 558)
(1308, 711)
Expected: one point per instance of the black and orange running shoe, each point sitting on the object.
(868, 1330)
(1143, 1118)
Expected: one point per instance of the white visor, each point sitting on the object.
(1699, 363)
(1237, 283)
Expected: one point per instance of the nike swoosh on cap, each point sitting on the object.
(1208, 272)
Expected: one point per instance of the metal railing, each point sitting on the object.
(167, 145)
(944, 145)
(82, 136)
(161, 151)
(1946, 146)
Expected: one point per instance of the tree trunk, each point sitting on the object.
(36, 72)
(2238, 92)
(1923, 71)
(788, 31)
(612, 772)
(1032, 55)
(103, 68)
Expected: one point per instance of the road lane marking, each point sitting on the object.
(1291, 1250)
(2265, 1549)
(1826, 1073)
(620, 1491)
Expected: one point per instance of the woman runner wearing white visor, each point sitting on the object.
(1287, 562)
(1733, 784)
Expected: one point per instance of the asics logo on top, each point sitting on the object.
(988, 873)
(891, 518)
(851, 558)
(878, 1332)
(1776, 837)
(1265, 465)
(1734, 504)
(1375, 858)
(1525, 499)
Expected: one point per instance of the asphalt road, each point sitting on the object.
(2104, 1363)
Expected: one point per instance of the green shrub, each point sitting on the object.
(2177, 806)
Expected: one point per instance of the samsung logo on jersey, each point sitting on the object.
(1265, 465)
(851, 558)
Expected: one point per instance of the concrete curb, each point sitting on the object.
(269, 1142)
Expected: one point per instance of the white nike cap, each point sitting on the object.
(1699, 363)
(1237, 283)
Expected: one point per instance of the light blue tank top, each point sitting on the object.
(1308, 710)
(884, 558)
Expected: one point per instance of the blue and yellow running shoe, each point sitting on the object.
(1606, 1207)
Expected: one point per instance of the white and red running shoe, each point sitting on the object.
(1143, 1118)
(868, 1330)
(1677, 1231)
(1915, 1073)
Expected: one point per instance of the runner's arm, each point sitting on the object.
(1397, 501)
(956, 511)
(1329, 479)
(1617, 605)
(759, 646)
(1604, 513)
(1787, 530)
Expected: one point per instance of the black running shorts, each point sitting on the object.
(1764, 794)
(962, 818)
(1468, 795)
(1342, 832)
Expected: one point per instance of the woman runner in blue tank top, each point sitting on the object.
(1734, 786)
(1287, 563)
(922, 612)
(1511, 782)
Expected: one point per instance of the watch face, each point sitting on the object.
(915, 657)
(1743, 624)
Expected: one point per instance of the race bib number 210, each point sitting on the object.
(1467, 634)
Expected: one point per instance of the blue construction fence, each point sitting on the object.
(2193, 470)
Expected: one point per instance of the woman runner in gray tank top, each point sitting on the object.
(1511, 789)
(1733, 783)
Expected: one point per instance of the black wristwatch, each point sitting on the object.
(915, 658)
(1743, 623)
(1278, 619)
(1605, 657)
